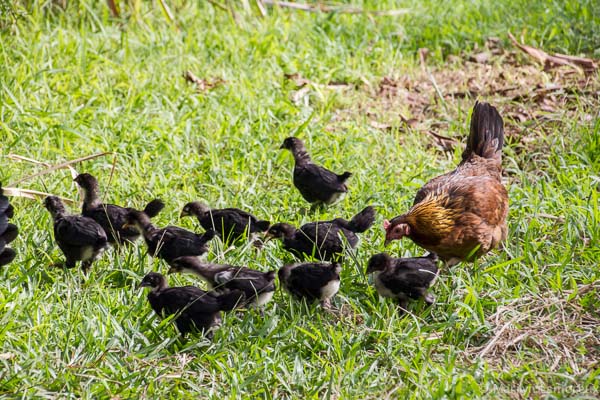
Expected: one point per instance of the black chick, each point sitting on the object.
(313, 281)
(404, 278)
(8, 231)
(316, 184)
(229, 223)
(111, 217)
(257, 286)
(196, 309)
(170, 242)
(80, 238)
(322, 239)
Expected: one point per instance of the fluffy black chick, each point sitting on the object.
(80, 238)
(231, 224)
(312, 281)
(316, 184)
(8, 231)
(404, 278)
(111, 217)
(196, 309)
(257, 286)
(170, 242)
(322, 240)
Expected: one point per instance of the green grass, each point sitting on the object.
(77, 82)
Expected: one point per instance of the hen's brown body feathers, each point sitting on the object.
(463, 213)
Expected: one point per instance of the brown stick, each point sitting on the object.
(60, 166)
(330, 9)
(588, 65)
(31, 194)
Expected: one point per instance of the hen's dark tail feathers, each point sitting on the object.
(363, 220)
(153, 208)
(230, 300)
(486, 137)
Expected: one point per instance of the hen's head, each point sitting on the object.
(395, 229)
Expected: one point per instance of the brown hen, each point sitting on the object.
(462, 214)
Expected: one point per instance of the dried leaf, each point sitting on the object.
(297, 79)
(480, 58)
(298, 95)
(202, 85)
(379, 125)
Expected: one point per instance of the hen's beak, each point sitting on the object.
(171, 271)
(268, 237)
(184, 214)
(281, 147)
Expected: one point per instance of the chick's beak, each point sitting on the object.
(281, 147)
(387, 242)
(184, 214)
(127, 225)
(171, 271)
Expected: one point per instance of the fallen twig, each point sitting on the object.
(31, 194)
(586, 65)
(446, 143)
(261, 8)
(55, 167)
(331, 9)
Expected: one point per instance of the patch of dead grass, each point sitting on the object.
(555, 330)
(534, 101)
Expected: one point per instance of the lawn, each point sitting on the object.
(522, 322)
